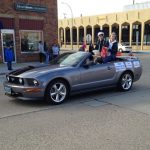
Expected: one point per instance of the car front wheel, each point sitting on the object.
(125, 82)
(57, 92)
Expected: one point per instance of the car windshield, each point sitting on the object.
(68, 59)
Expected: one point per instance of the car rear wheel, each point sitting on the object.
(125, 82)
(57, 92)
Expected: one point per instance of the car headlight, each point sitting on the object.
(8, 79)
(35, 82)
(32, 82)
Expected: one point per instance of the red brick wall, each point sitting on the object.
(26, 24)
(50, 28)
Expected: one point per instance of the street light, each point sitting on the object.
(71, 21)
(64, 15)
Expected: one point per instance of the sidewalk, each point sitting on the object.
(4, 70)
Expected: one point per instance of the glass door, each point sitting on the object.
(8, 40)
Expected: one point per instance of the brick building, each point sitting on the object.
(23, 23)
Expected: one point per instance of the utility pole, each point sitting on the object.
(71, 23)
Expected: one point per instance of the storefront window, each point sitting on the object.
(29, 40)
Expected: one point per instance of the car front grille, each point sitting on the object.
(14, 80)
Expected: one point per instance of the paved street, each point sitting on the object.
(101, 120)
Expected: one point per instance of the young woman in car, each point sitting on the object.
(112, 46)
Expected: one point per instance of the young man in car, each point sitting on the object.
(101, 41)
(100, 44)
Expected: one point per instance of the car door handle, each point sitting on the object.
(109, 68)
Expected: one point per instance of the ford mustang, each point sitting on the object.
(71, 73)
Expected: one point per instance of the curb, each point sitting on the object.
(141, 52)
(3, 73)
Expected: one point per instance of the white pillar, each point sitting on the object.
(142, 34)
(93, 34)
(85, 35)
(71, 37)
(77, 37)
(120, 33)
(110, 29)
(131, 32)
(65, 37)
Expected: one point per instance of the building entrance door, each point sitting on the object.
(8, 40)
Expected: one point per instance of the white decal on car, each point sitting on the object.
(120, 66)
(128, 65)
(136, 64)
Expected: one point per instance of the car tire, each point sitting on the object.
(57, 92)
(125, 81)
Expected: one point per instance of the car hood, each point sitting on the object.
(35, 71)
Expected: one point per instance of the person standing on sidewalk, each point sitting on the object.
(46, 53)
(41, 51)
(55, 49)
(9, 56)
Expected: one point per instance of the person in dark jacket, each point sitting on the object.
(9, 56)
(91, 48)
(112, 46)
(101, 42)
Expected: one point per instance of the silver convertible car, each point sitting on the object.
(71, 73)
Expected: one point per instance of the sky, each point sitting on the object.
(91, 7)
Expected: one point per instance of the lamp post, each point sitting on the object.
(71, 22)
(133, 2)
(64, 15)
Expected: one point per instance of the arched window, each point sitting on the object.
(96, 30)
(67, 36)
(74, 30)
(126, 33)
(61, 35)
(81, 34)
(115, 28)
(106, 31)
(147, 33)
(136, 33)
(88, 34)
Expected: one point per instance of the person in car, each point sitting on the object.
(112, 48)
(101, 42)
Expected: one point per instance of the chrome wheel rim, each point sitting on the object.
(126, 81)
(58, 92)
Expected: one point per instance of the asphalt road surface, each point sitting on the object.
(101, 120)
